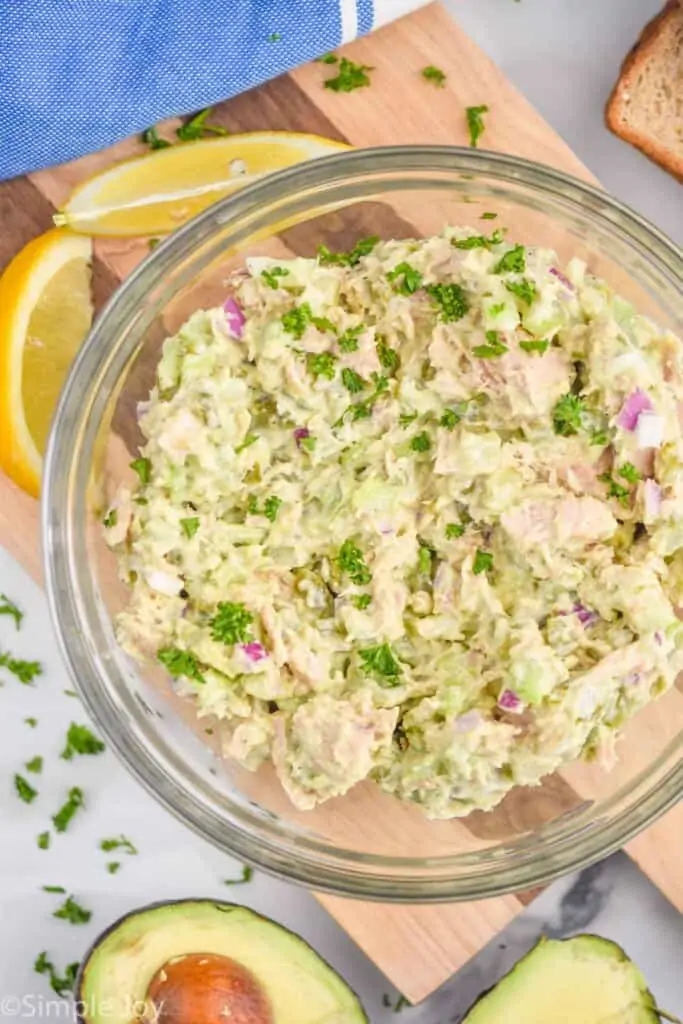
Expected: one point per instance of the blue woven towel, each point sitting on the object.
(76, 75)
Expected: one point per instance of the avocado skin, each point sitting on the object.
(362, 1017)
(489, 1007)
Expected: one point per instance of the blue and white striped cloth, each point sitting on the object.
(76, 75)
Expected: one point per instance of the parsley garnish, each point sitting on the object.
(363, 247)
(120, 843)
(513, 262)
(24, 789)
(54, 888)
(111, 518)
(434, 75)
(483, 561)
(424, 560)
(180, 663)
(450, 419)
(8, 607)
(411, 278)
(295, 321)
(43, 841)
(629, 473)
(196, 126)
(35, 765)
(406, 418)
(421, 442)
(327, 58)
(614, 489)
(494, 347)
(381, 661)
(600, 437)
(454, 530)
(321, 364)
(351, 561)
(152, 243)
(524, 290)
(308, 443)
(62, 818)
(450, 299)
(535, 346)
(352, 381)
(270, 276)
(274, 37)
(230, 624)
(361, 601)
(388, 357)
(246, 876)
(252, 505)
(32, 722)
(143, 468)
(348, 341)
(25, 671)
(151, 137)
(271, 507)
(113, 866)
(488, 216)
(475, 122)
(247, 443)
(567, 413)
(350, 76)
(189, 526)
(57, 984)
(478, 241)
(80, 740)
(72, 912)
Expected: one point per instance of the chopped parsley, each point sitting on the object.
(62, 819)
(349, 76)
(143, 468)
(351, 561)
(180, 663)
(434, 75)
(361, 601)
(113, 866)
(197, 126)
(8, 607)
(535, 346)
(388, 357)
(80, 740)
(152, 243)
(363, 247)
(513, 262)
(232, 623)
(72, 912)
(478, 241)
(567, 415)
(411, 279)
(35, 765)
(406, 418)
(628, 472)
(488, 215)
(59, 985)
(189, 526)
(271, 507)
(25, 671)
(421, 442)
(493, 348)
(296, 320)
(424, 560)
(24, 789)
(327, 58)
(274, 37)
(615, 489)
(348, 341)
(252, 505)
(271, 275)
(118, 843)
(246, 876)
(454, 530)
(110, 519)
(450, 299)
(600, 437)
(247, 443)
(321, 364)
(483, 561)
(450, 418)
(380, 661)
(54, 888)
(152, 139)
(524, 290)
(352, 381)
(475, 122)
(43, 841)
(32, 722)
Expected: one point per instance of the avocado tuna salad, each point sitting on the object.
(411, 513)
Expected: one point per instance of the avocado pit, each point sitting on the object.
(205, 988)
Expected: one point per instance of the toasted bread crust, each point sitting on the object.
(644, 50)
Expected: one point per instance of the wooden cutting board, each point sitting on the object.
(417, 947)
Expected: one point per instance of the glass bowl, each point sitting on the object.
(365, 844)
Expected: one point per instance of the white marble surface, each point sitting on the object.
(564, 54)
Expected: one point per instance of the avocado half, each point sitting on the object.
(583, 980)
(208, 962)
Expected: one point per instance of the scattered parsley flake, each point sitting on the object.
(450, 299)
(361, 601)
(189, 526)
(231, 623)
(62, 819)
(247, 443)
(421, 442)
(454, 530)
(381, 661)
(296, 320)
(246, 876)
(475, 122)
(59, 985)
(513, 262)
(35, 765)
(180, 663)
(351, 561)
(406, 418)
(152, 139)
(321, 364)
(424, 560)
(352, 381)
(32, 722)
(252, 505)
(483, 561)
(478, 241)
(274, 37)
(411, 279)
(535, 346)
(24, 789)
(118, 843)
(43, 841)
(72, 912)
(143, 468)
(327, 58)
(450, 419)
(197, 126)
(363, 247)
(152, 243)
(8, 607)
(496, 308)
(54, 888)
(70, 693)
(25, 671)
(271, 507)
(567, 415)
(434, 75)
(270, 276)
(524, 290)
(388, 357)
(349, 76)
(493, 348)
(308, 443)
(80, 740)
(488, 215)
(614, 489)
(113, 866)
(628, 472)
(600, 437)
(348, 341)
(110, 519)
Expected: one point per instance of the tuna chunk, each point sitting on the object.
(567, 522)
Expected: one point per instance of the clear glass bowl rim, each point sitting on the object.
(478, 875)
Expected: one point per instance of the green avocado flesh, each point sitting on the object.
(300, 986)
(584, 980)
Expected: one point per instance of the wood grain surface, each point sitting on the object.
(418, 947)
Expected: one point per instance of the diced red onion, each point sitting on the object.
(659, 638)
(585, 616)
(650, 430)
(652, 497)
(234, 316)
(509, 701)
(469, 721)
(636, 403)
(255, 651)
(300, 434)
(562, 279)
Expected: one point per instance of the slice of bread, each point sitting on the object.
(646, 105)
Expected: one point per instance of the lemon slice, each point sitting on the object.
(45, 312)
(155, 193)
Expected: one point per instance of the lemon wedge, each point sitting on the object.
(156, 193)
(45, 312)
